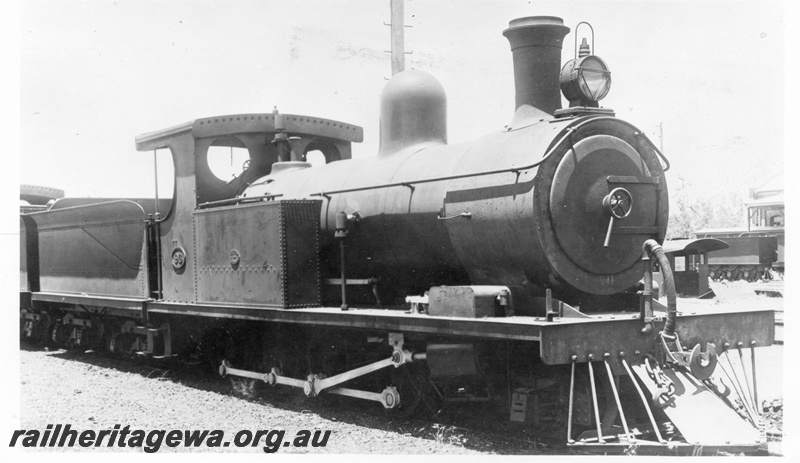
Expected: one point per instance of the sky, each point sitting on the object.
(94, 74)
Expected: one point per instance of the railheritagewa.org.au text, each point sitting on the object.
(151, 441)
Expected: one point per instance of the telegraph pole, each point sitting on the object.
(398, 38)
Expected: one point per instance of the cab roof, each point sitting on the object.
(297, 125)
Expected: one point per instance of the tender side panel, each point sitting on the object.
(95, 250)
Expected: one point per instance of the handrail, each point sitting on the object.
(242, 199)
(410, 184)
(516, 170)
(658, 152)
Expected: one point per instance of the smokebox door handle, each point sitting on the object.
(466, 215)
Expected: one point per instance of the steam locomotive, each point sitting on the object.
(517, 266)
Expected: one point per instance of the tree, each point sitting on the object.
(692, 210)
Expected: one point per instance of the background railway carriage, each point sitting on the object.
(455, 273)
(755, 252)
(688, 259)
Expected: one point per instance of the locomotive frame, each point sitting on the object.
(121, 275)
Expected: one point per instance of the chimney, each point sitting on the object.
(536, 47)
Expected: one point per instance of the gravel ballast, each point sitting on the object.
(90, 391)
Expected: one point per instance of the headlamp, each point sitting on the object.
(585, 81)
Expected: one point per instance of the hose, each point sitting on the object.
(654, 250)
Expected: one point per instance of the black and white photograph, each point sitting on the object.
(397, 227)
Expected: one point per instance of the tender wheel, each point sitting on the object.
(59, 335)
(121, 344)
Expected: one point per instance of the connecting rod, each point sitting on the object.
(317, 383)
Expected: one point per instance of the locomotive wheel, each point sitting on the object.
(416, 393)
(212, 349)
